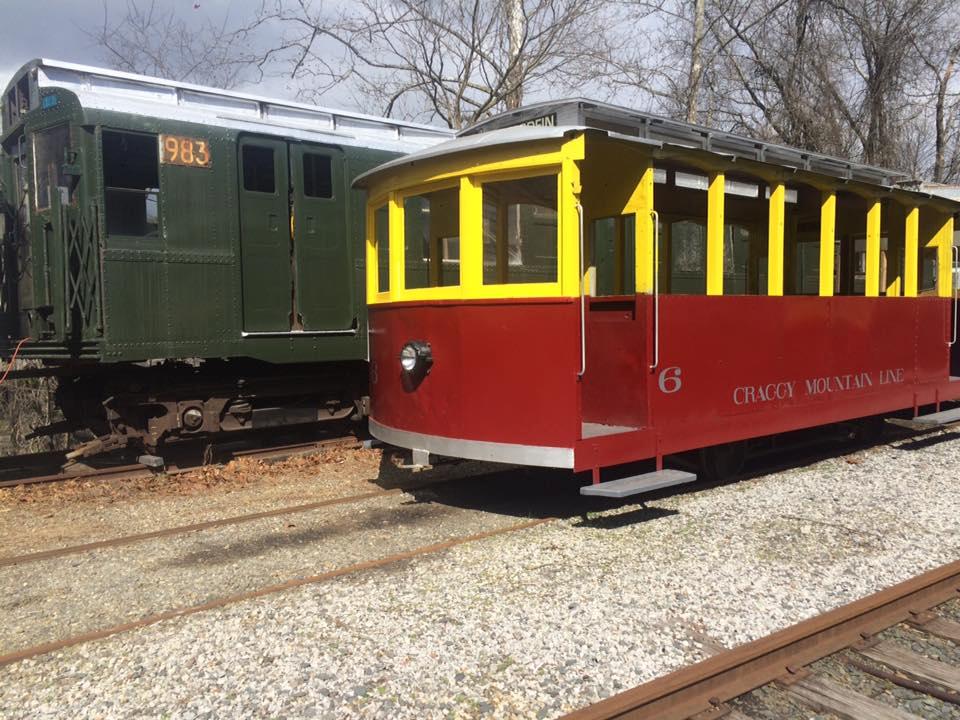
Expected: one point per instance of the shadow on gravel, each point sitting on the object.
(926, 441)
(291, 536)
(530, 492)
(632, 517)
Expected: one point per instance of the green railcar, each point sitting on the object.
(185, 259)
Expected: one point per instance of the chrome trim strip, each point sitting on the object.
(297, 333)
(558, 457)
(583, 301)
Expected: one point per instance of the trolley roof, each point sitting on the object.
(102, 89)
(619, 120)
(541, 121)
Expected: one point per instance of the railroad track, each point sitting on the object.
(47, 467)
(789, 664)
(433, 548)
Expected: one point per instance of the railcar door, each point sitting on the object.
(321, 249)
(265, 245)
(293, 237)
(615, 383)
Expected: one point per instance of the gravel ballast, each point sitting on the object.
(537, 622)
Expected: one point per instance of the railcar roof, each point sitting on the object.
(506, 136)
(634, 123)
(555, 119)
(103, 89)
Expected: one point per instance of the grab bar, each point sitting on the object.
(955, 256)
(656, 289)
(583, 314)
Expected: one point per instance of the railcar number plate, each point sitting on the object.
(178, 150)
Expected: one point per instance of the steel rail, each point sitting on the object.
(122, 540)
(705, 685)
(193, 527)
(53, 646)
(174, 468)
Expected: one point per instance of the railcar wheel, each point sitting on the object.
(721, 463)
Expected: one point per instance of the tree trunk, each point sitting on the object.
(696, 60)
(941, 130)
(515, 33)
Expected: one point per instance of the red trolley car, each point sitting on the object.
(579, 286)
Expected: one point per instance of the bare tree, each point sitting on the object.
(775, 73)
(152, 38)
(877, 66)
(873, 79)
(939, 53)
(457, 61)
(668, 55)
(836, 76)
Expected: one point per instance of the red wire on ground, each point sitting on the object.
(13, 359)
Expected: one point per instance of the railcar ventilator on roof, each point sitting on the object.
(184, 259)
(578, 285)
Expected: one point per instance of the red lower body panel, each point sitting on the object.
(727, 368)
(502, 372)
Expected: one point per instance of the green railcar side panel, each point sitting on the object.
(133, 305)
(219, 269)
(198, 214)
(265, 235)
(199, 324)
(323, 251)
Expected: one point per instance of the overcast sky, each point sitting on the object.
(54, 29)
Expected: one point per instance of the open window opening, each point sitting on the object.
(680, 199)
(745, 238)
(801, 244)
(613, 243)
(850, 266)
(930, 222)
(893, 249)
(131, 184)
(927, 272)
(520, 231)
(431, 239)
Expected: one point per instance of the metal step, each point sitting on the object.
(925, 422)
(636, 484)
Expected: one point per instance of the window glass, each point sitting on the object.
(381, 235)
(131, 183)
(431, 238)
(520, 231)
(49, 155)
(258, 169)
(317, 176)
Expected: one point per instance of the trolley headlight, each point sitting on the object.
(416, 357)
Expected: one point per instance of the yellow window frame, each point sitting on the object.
(562, 163)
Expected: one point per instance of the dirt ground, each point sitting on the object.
(44, 516)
